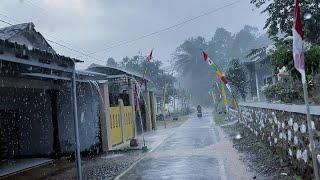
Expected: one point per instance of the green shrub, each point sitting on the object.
(285, 91)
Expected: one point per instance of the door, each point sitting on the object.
(9, 129)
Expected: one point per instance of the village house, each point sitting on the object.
(260, 74)
(36, 103)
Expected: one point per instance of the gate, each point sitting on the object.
(115, 124)
(121, 130)
(129, 127)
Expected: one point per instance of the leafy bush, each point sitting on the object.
(286, 91)
(315, 93)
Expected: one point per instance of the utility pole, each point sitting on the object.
(76, 123)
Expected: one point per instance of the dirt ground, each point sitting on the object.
(256, 154)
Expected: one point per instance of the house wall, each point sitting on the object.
(263, 72)
(88, 116)
(26, 121)
(252, 85)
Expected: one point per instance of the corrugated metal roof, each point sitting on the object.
(25, 34)
(108, 70)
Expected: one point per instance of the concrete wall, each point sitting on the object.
(88, 115)
(26, 121)
(283, 128)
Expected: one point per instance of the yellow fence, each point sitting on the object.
(115, 124)
(119, 133)
(128, 123)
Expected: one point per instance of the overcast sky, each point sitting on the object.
(93, 25)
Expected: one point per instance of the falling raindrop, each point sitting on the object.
(307, 16)
(238, 136)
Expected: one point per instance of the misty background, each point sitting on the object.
(94, 27)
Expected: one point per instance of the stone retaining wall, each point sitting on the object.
(284, 129)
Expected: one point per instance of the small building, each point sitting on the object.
(36, 104)
(259, 75)
(36, 101)
(120, 86)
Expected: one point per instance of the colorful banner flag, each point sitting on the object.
(165, 92)
(224, 96)
(213, 97)
(297, 34)
(218, 73)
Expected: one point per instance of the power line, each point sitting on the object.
(35, 5)
(5, 22)
(167, 28)
(121, 43)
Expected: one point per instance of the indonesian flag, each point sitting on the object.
(149, 58)
(298, 55)
(218, 73)
(208, 60)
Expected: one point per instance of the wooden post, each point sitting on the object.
(147, 110)
(122, 119)
(133, 108)
(257, 84)
(105, 130)
(76, 123)
(153, 108)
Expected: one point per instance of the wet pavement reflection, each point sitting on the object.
(184, 155)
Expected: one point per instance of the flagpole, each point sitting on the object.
(164, 105)
(141, 124)
(310, 130)
(299, 64)
(227, 87)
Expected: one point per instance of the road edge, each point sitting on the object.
(156, 146)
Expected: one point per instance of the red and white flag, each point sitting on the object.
(207, 58)
(298, 55)
(150, 56)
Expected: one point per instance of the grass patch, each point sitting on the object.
(258, 155)
(220, 118)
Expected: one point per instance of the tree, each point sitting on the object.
(155, 73)
(111, 62)
(195, 74)
(131, 64)
(220, 45)
(238, 78)
(280, 17)
(282, 56)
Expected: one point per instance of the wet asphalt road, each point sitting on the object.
(186, 154)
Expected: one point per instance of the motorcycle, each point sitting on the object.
(199, 112)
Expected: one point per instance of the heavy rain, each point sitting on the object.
(205, 89)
